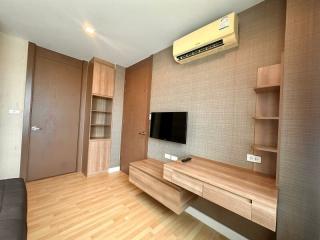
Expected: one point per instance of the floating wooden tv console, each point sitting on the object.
(247, 193)
(148, 176)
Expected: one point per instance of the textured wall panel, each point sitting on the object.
(299, 200)
(217, 91)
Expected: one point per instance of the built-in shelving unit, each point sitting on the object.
(101, 75)
(267, 117)
(101, 116)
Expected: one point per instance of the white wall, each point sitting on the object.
(13, 64)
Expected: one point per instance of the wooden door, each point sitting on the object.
(135, 126)
(55, 115)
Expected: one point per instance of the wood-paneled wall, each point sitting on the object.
(299, 176)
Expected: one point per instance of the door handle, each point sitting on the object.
(142, 133)
(35, 128)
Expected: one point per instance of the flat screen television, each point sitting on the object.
(169, 126)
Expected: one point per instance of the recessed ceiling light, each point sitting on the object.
(89, 29)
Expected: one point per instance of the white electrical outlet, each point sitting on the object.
(257, 159)
(250, 158)
(167, 156)
(253, 158)
(174, 158)
(14, 111)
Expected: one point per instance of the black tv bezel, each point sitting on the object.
(185, 133)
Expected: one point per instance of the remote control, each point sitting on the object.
(186, 159)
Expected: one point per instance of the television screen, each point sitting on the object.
(169, 126)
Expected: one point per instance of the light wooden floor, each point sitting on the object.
(105, 206)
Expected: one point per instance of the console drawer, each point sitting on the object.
(167, 174)
(228, 200)
(264, 215)
(170, 196)
(189, 183)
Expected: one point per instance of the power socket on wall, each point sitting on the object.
(170, 157)
(253, 158)
(174, 158)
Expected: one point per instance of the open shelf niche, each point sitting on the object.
(101, 118)
(268, 92)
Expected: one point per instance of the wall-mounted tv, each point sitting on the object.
(169, 126)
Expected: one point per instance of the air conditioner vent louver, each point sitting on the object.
(201, 50)
(218, 36)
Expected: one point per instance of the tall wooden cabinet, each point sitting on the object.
(101, 74)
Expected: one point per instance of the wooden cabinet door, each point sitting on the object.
(106, 80)
(111, 82)
(99, 156)
(96, 79)
(103, 80)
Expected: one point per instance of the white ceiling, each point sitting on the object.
(126, 30)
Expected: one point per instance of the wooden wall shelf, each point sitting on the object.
(265, 148)
(99, 138)
(266, 127)
(102, 96)
(267, 88)
(100, 125)
(100, 111)
(265, 118)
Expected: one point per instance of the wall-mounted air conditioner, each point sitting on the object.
(215, 37)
